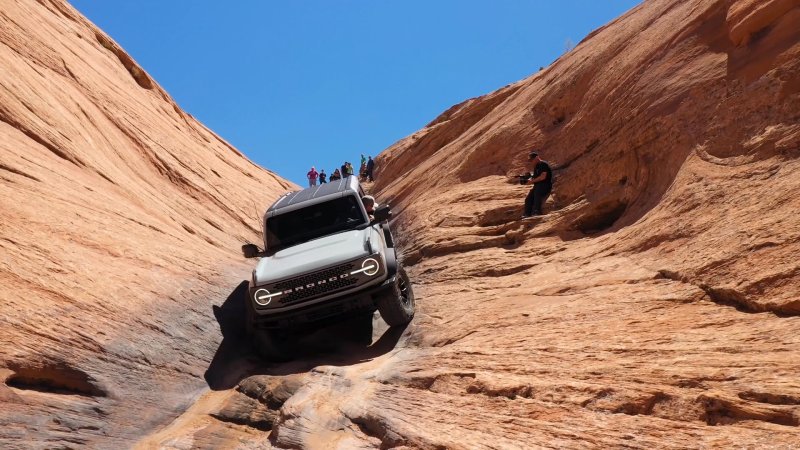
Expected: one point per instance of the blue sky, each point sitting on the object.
(299, 83)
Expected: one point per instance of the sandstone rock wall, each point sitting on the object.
(654, 305)
(679, 110)
(120, 227)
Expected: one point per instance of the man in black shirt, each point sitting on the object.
(542, 181)
(370, 168)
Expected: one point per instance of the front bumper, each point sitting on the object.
(330, 310)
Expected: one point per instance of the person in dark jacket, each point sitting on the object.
(336, 175)
(542, 181)
(322, 177)
(370, 168)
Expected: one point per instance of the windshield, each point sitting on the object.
(305, 224)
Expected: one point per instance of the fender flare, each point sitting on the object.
(387, 234)
(391, 262)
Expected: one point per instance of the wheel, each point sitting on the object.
(269, 344)
(273, 345)
(249, 316)
(359, 329)
(397, 306)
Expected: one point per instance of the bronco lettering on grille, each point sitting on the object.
(318, 283)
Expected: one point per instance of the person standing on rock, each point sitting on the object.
(322, 177)
(362, 169)
(370, 168)
(542, 181)
(312, 177)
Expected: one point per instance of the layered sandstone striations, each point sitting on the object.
(120, 226)
(655, 305)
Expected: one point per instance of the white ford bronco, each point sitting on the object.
(325, 257)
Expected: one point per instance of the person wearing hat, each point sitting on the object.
(542, 181)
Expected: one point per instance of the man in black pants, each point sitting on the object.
(542, 181)
(370, 168)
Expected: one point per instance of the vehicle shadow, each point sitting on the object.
(338, 344)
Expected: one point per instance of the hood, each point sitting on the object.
(313, 255)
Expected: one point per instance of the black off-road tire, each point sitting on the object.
(268, 344)
(397, 306)
(359, 329)
(272, 345)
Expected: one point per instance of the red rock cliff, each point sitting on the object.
(675, 129)
(120, 227)
(653, 306)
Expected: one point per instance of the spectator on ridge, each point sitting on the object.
(312, 177)
(370, 168)
(362, 169)
(336, 175)
(322, 177)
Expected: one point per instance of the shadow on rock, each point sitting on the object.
(233, 357)
(341, 343)
(331, 346)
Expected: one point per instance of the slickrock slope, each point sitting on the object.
(654, 306)
(120, 228)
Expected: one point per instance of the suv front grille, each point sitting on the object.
(317, 283)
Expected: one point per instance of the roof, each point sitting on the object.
(349, 183)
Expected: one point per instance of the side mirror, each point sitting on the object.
(250, 250)
(382, 213)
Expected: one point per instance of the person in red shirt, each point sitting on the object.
(312, 177)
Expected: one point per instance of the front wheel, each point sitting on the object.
(397, 306)
(273, 345)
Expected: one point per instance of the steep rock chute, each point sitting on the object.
(654, 306)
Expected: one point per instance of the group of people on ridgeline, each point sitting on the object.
(541, 178)
(364, 174)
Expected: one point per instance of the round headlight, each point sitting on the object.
(263, 297)
(370, 266)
